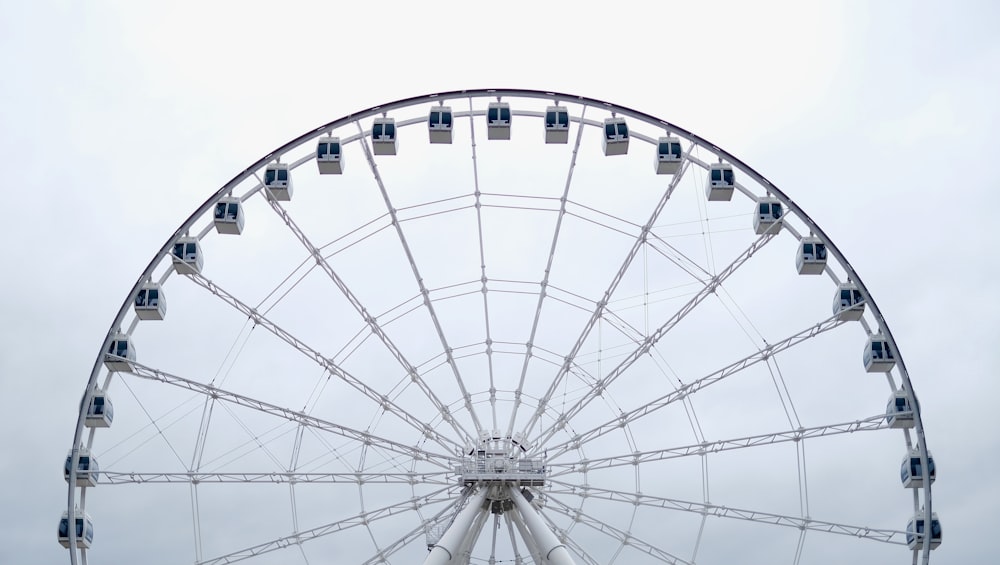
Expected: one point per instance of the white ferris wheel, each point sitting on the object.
(499, 326)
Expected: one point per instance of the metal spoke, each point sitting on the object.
(872, 423)
(630, 498)
(482, 266)
(426, 300)
(651, 340)
(692, 387)
(380, 399)
(545, 277)
(362, 519)
(363, 438)
(598, 312)
(367, 317)
(432, 478)
(622, 537)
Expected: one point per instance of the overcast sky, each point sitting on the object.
(118, 119)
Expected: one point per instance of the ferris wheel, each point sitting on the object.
(499, 326)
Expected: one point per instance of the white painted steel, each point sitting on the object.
(448, 550)
(432, 451)
(550, 549)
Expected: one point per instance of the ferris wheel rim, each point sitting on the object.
(694, 139)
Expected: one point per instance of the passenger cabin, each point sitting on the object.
(721, 183)
(84, 529)
(767, 216)
(150, 302)
(878, 355)
(911, 473)
(278, 181)
(615, 136)
(498, 120)
(329, 158)
(898, 411)
(229, 215)
(848, 304)
(668, 157)
(439, 124)
(87, 469)
(915, 531)
(384, 141)
(556, 124)
(120, 354)
(811, 256)
(187, 256)
(100, 411)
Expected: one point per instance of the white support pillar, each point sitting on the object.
(447, 550)
(529, 542)
(553, 552)
(469, 540)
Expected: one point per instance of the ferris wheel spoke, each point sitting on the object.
(425, 293)
(871, 423)
(379, 399)
(482, 264)
(601, 305)
(371, 320)
(545, 278)
(131, 477)
(682, 392)
(620, 536)
(650, 340)
(678, 258)
(362, 519)
(632, 499)
(363, 438)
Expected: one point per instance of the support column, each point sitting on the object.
(447, 550)
(529, 543)
(552, 552)
(470, 538)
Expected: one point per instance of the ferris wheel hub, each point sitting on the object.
(499, 461)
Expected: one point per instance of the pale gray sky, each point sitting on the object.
(118, 119)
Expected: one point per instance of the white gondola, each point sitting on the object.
(150, 302)
(721, 182)
(278, 181)
(811, 256)
(878, 355)
(910, 472)
(439, 124)
(84, 529)
(187, 256)
(668, 156)
(498, 120)
(915, 531)
(767, 215)
(556, 124)
(100, 411)
(615, 140)
(384, 140)
(848, 304)
(120, 354)
(898, 411)
(87, 469)
(229, 215)
(329, 156)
